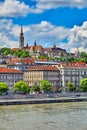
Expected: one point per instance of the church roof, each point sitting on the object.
(15, 49)
(35, 48)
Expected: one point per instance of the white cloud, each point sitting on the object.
(77, 38)
(46, 34)
(6, 38)
(13, 8)
(48, 4)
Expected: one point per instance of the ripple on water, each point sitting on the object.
(63, 116)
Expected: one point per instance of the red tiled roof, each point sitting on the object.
(77, 63)
(35, 48)
(13, 60)
(80, 63)
(27, 48)
(27, 60)
(24, 61)
(15, 49)
(8, 70)
(47, 49)
(74, 66)
(43, 59)
(43, 68)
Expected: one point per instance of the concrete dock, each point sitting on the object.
(41, 101)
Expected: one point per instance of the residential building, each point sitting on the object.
(20, 64)
(35, 74)
(72, 73)
(10, 76)
(3, 63)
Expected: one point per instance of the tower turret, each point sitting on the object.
(54, 46)
(21, 41)
(27, 45)
(35, 44)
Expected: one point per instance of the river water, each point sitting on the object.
(63, 116)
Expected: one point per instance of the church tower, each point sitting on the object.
(54, 46)
(35, 44)
(21, 41)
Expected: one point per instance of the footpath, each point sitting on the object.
(42, 99)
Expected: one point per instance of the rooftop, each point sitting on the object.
(8, 70)
(48, 67)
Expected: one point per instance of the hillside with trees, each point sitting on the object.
(19, 53)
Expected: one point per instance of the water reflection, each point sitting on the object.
(63, 116)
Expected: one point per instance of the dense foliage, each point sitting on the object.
(42, 57)
(83, 84)
(71, 87)
(19, 53)
(45, 85)
(68, 58)
(35, 88)
(3, 87)
(21, 86)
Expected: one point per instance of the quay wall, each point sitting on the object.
(41, 101)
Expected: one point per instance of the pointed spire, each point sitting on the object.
(78, 51)
(54, 46)
(21, 40)
(35, 44)
(27, 45)
(21, 33)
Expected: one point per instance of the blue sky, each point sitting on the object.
(60, 22)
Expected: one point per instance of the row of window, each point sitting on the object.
(74, 73)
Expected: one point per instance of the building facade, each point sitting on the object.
(10, 76)
(58, 75)
(72, 73)
(37, 73)
(55, 52)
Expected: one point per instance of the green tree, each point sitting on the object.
(42, 56)
(71, 59)
(81, 59)
(63, 59)
(17, 53)
(45, 85)
(3, 87)
(21, 53)
(5, 51)
(77, 89)
(71, 87)
(35, 88)
(83, 54)
(21, 86)
(83, 84)
(60, 89)
(25, 54)
(51, 59)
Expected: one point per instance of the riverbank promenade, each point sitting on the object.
(19, 99)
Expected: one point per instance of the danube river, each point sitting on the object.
(61, 116)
